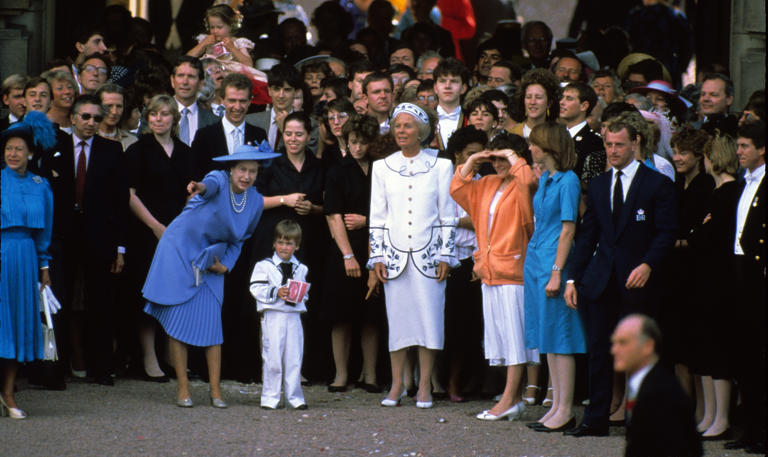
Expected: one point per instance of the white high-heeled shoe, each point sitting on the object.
(13, 413)
(389, 403)
(513, 413)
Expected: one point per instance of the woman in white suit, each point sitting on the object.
(412, 231)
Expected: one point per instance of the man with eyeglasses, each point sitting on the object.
(93, 72)
(90, 216)
(537, 42)
(88, 40)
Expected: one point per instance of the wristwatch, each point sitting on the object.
(348, 256)
(282, 200)
(555, 268)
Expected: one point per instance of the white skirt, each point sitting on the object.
(504, 326)
(415, 310)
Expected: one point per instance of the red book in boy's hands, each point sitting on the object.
(297, 290)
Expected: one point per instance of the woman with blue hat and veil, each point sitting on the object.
(185, 284)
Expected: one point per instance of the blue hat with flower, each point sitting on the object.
(263, 153)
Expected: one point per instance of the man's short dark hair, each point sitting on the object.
(400, 68)
(95, 55)
(401, 45)
(110, 88)
(360, 66)
(36, 81)
(515, 72)
(237, 81)
(463, 137)
(531, 24)
(614, 109)
(729, 90)
(194, 62)
(85, 31)
(282, 74)
(490, 43)
(452, 67)
(377, 76)
(586, 94)
(86, 99)
(753, 130)
(426, 84)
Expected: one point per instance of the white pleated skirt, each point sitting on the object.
(504, 326)
(415, 310)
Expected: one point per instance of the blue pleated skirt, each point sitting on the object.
(196, 322)
(21, 335)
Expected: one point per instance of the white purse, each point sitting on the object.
(47, 302)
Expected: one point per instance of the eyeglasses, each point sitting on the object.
(93, 68)
(337, 117)
(88, 116)
(427, 98)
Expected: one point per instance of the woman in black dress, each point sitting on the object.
(713, 243)
(347, 201)
(298, 176)
(159, 166)
(694, 187)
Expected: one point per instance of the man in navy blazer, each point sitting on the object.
(626, 232)
(231, 131)
(89, 223)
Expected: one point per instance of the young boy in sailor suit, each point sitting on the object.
(282, 337)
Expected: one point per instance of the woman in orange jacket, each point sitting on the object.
(501, 207)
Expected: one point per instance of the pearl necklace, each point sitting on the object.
(237, 207)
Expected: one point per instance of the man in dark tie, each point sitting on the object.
(576, 104)
(626, 233)
(87, 246)
(186, 79)
(231, 131)
(750, 271)
(660, 419)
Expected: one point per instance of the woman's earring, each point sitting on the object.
(547, 112)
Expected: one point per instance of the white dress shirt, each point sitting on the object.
(627, 175)
(272, 128)
(448, 123)
(235, 135)
(636, 380)
(753, 179)
(12, 119)
(576, 128)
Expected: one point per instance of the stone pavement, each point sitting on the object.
(136, 418)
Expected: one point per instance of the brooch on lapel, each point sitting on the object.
(57, 154)
(578, 138)
(640, 216)
(54, 174)
(37, 180)
(754, 203)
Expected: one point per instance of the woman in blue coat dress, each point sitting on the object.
(550, 325)
(185, 283)
(26, 218)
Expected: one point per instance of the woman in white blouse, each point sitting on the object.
(412, 231)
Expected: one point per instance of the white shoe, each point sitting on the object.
(13, 413)
(389, 403)
(515, 412)
(424, 404)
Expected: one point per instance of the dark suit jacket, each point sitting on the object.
(211, 142)
(753, 235)
(586, 141)
(645, 233)
(662, 421)
(189, 21)
(105, 201)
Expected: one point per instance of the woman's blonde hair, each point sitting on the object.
(155, 104)
(554, 139)
(720, 150)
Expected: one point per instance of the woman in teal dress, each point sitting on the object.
(26, 218)
(185, 283)
(550, 326)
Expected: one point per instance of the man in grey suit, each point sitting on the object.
(186, 79)
(283, 81)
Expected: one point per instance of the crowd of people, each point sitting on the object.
(300, 192)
